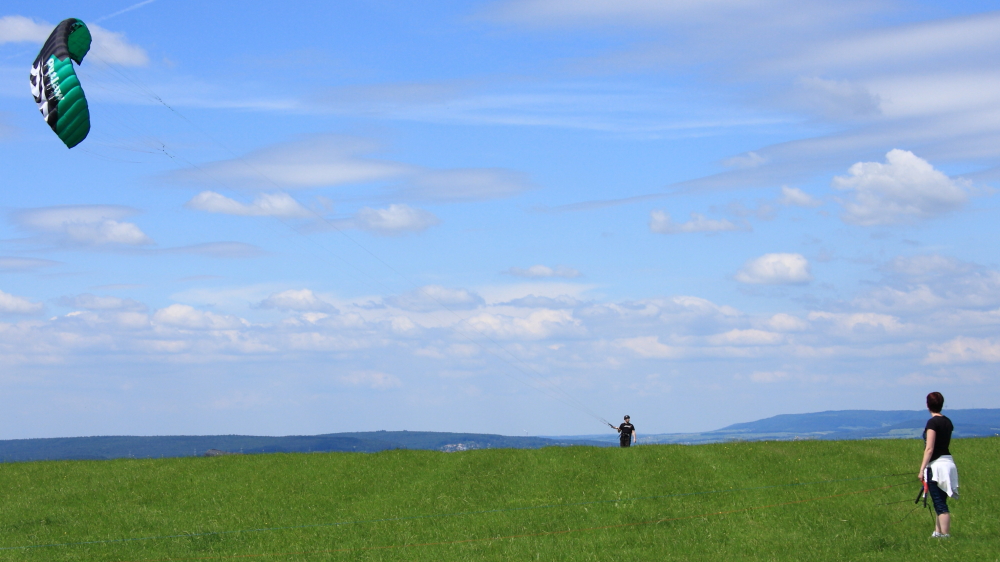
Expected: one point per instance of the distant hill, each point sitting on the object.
(832, 425)
(111, 447)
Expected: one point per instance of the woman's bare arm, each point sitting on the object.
(928, 451)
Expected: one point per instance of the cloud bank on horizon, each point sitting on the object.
(711, 212)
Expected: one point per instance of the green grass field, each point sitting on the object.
(814, 500)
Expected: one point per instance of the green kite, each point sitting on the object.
(54, 83)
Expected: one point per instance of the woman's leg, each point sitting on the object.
(942, 523)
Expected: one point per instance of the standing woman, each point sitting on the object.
(938, 468)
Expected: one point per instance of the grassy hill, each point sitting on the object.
(805, 500)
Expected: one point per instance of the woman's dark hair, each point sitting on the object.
(935, 401)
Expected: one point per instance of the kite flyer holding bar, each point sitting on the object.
(627, 435)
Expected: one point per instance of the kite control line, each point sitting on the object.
(66, 111)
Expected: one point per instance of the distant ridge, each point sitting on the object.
(832, 425)
(835, 425)
(113, 447)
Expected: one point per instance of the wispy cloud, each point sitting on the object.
(218, 250)
(331, 161)
(542, 271)
(646, 13)
(435, 298)
(574, 104)
(473, 184)
(13, 263)
(264, 205)
(660, 222)
(125, 10)
(394, 220)
(916, 45)
(372, 379)
(83, 225)
(965, 350)
(795, 197)
(89, 301)
(316, 161)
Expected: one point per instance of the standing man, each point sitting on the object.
(627, 434)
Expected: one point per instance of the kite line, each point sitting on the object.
(527, 373)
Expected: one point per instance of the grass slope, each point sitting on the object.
(573, 503)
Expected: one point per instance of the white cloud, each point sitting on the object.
(922, 266)
(394, 220)
(795, 197)
(18, 29)
(302, 300)
(776, 269)
(650, 346)
(112, 47)
(860, 322)
(930, 282)
(264, 205)
(782, 322)
(660, 221)
(435, 297)
(540, 324)
(685, 336)
(746, 337)
(507, 292)
(372, 379)
(106, 321)
(903, 189)
(537, 271)
(919, 297)
(89, 225)
(187, 317)
(106, 45)
(534, 301)
(12, 304)
(965, 350)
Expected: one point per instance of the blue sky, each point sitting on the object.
(512, 216)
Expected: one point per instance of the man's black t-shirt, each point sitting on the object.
(942, 427)
(626, 430)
